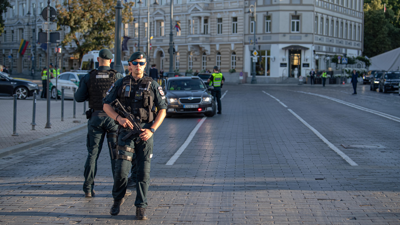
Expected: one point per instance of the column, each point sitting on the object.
(319, 23)
(329, 26)
(335, 27)
(340, 29)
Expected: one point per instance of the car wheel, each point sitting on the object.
(21, 92)
(54, 93)
(213, 112)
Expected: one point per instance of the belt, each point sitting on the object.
(99, 113)
(125, 148)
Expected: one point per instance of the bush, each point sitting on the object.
(232, 71)
(335, 59)
(365, 60)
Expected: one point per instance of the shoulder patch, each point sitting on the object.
(160, 90)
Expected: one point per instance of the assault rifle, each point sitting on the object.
(120, 109)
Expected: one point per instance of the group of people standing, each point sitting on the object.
(354, 79)
(54, 72)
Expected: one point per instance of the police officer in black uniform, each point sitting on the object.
(140, 95)
(93, 87)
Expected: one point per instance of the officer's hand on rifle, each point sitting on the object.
(146, 134)
(124, 122)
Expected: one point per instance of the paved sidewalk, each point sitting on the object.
(24, 120)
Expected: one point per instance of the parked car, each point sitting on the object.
(5, 74)
(374, 83)
(204, 77)
(22, 88)
(367, 77)
(389, 81)
(189, 95)
(68, 81)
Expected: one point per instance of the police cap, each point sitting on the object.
(215, 67)
(137, 55)
(105, 54)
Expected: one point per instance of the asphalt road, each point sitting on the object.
(277, 155)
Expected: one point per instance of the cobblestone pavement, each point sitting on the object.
(254, 164)
(24, 119)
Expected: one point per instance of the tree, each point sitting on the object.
(91, 23)
(3, 9)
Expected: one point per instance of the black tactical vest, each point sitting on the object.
(138, 98)
(99, 83)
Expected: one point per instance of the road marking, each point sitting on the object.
(178, 153)
(275, 99)
(330, 145)
(388, 116)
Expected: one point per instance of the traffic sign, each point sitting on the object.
(9, 56)
(49, 26)
(255, 53)
(53, 14)
(255, 59)
(344, 60)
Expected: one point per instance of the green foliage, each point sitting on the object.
(4, 4)
(189, 71)
(232, 71)
(91, 23)
(176, 71)
(365, 60)
(335, 59)
(351, 60)
(381, 30)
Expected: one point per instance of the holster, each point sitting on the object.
(89, 113)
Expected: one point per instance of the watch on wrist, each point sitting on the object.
(152, 130)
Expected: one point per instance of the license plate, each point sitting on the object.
(190, 106)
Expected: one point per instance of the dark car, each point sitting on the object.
(22, 88)
(204, 77)
(188, 95)
(374, 83)
(389, 81)
(367, 77)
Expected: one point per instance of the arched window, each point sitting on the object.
(218, 60)
(233, 60)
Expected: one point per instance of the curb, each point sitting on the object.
(30, 144)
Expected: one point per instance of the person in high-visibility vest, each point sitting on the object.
(323, 78)
(44, 83)
(217, 80)
(52, 71)
(57, 71)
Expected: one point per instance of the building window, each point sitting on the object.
(234, 25)
(13, 11)
(252, 23)
(341, 30)
(267, 2)
(219, 60)
(359, 33)
(233, 60)
(126, 29)
(190, 23)
(5, 36)
(326, 27)
(204, 61)
(268, 24)
(160, 28)
(136, 29)
(295, 1)
(345, 31)
(190, 61)
(205, 26)
(321, 26)
(219, 26)
(145, 29)
(316, 25)
(295, 24)
(12, 35)
(337, 29)
(332, 24)
(177, 61)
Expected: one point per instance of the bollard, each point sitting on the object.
(15, 117)
(84, 108)
(62, 104)
(34, 111)
(74, 116)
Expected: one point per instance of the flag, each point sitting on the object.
(125, 43)
(43, 46)
(23, 46)
(178, 27)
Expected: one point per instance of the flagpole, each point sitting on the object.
(48, 124)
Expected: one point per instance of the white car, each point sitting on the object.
(69, 81)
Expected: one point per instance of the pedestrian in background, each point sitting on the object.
(354, 81)
(5, 70)
(94, 87)
(217, 80)
(312, 76)
(44, 83)
(139, 95)
(154, 72)
(323, 78)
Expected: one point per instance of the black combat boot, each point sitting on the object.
(115, 207)
(141, 213)
(89, 194)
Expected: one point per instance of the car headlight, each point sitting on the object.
(33, 85)
(206, 99)
(376, 82)
(172, 100)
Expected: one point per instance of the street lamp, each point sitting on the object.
(118, 20)
(254, 14)
(139, 2)
(148, 35)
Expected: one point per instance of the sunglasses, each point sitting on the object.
(140, 63)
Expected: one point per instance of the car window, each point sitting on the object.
(64, 76)
(186, 85)
(204, 76)
(393, 76)
(71, 76)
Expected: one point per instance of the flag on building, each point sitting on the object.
(125, 43)
(22, 46)
(178, 27)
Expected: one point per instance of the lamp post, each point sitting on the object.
(254, 14)
(29, 27)
(48, 124)
(139, 2)
(148, 35)
(118, 21)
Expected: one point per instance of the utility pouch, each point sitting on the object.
(89, 114)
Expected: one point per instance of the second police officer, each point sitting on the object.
(217, 80)
(93, 87)
(140, 95)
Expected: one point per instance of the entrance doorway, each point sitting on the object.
(160, 61)
(294, 63)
